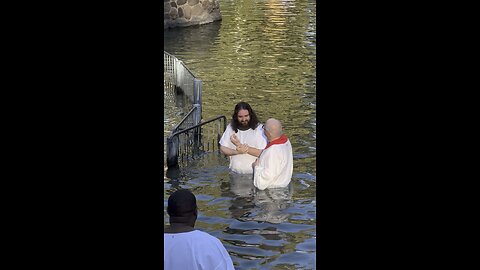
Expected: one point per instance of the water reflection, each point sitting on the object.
(240, 188)
(173, 173)
(201, 36)
(251, 204)
(241, 185)
(270, 204)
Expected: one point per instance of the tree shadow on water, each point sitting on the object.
(201, 36)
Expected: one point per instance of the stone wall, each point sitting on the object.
(179, 13)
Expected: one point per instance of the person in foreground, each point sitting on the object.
(186, 248)
(243, 139)
(274, 167)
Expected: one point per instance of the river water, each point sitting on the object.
(262, 52)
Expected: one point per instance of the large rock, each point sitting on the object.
(181, 13)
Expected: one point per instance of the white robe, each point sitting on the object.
(195, 250)
(242, 163)
(275, 167)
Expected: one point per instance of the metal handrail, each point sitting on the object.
(184, 79)
(201, 124)
(192, 140)
(190, 114)
(181, 78)
(183, 120)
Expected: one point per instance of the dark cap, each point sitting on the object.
(182, 203)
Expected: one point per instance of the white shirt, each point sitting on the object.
(275, 167)
(242, 163)
(195, 250)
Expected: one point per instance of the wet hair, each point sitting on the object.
(253, 117)
(182, 206)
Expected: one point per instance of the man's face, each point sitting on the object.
(243, 117)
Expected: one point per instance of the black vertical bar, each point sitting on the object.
(172, 152)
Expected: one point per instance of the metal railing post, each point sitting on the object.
(178, 73)
(172, 152)
(197, 86)
(196, 120)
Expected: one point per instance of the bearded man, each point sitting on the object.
(243, 139)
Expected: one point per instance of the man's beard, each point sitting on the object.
(244, 125)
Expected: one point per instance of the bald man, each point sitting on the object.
(274, 166)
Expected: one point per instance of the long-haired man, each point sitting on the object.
(243, 139)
